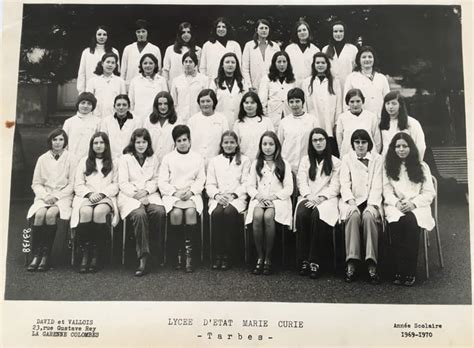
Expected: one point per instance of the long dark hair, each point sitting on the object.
(412, 162)
(230, 29)
(294, 35)
(93, 42)
(179, 43)
(256, 99)
(138, 133)
(99, 69)
(280, 168)
(269, 37)
(238, 155)
(327, 73)
(106, 159)
(312, 154)
(402, 112)
(364, 49)
(171, 115)
(274, 73)
(331, 51)
(220, 79)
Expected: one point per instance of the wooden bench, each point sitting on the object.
(451, 162)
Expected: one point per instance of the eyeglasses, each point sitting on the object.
(319, 140)
(360, 142)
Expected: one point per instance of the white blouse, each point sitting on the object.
(227, 101)
(212, 53)
(161, 138)
(414, 130)
(131, 60)
(249, 132)
(173, 62)
(342, 65)
(184, 90)
(254, 64)
(142, 93)
(274, 98)
(301, 61)
(119, 138)
(79, 129)
(105, 89)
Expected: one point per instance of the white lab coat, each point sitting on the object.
(161, 138)
(269, 184)
(79, 129)
(132, 177)
(342, 65)
(105, 89)
(228, 102)
(88, 64)
(414, 130)
(228, 177)
(182, 171)
(173, 62)
(131, 60)
(324, 105)
(273, 95)
(323, 185)
(119, 138)
(212, 53)
(301, 61)
(254, 66)
(421, 194)
(142, 92)
(55, 178)
(249, 132)
(95, 183)
(184, 90)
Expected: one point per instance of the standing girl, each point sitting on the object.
(139, 198)
(366, 77)
(316, 211)
(95, 189)
(53, 187)
(181, 182)
(144, 87)
(220, 43)
(258, 54)
(251, 124)
(106, 85)
(274, 88)
(270, 187)
(227, 175)
(408, 192)
(324, 96)
(301, 51)
(99, 45)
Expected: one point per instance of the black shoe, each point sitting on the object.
(93, 263)
(85, 259)
(217, 263)
(397, 279)
(258, 267)
(314, 270)
(304, 270)
(225, 264)
(33, 266)
(373, 275)
(409, 280)
(179, 264)
(189, 264)
(267, 269)
(44, 264)
(141, 270)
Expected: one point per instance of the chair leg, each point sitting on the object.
(283, 254)
(440, 252)
(165, 241)
(246, 244)
(210, 237)
(334, 247)
(425, 243)
(111, 243)
(202, 236)
(124, 229)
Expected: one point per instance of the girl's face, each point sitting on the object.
(268, 146)
(163, 107)
(402, 149)
(263, 30)
(361, 147)
(84, 107)
(182, 143)
(148, 66)
(392, 107)
(229, 144)
(141, 145)
(296, 106)
(303, 33)
(207, 105)
(319, 142)
(355, 104)
(229, 64)
(101, 36)
(57, 143)
(250, 106)
(281, 64)
(98, 146)
(221, 29)
(186, 34)
(189, 65)
(109, 65)
(367, 60)
(121, 107)
(338, 32)
(320, 65)
(142, 34)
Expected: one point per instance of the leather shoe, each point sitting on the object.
(141, 270)
(224, 265)
(258, 268)
(33, 266)
(267, 269)
(409, 280)
(304, 270)
(349, 276)
(397, 280)
(43, 266)
(216, 264)
(314, 270)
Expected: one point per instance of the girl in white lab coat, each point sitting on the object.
(120, 125)
(227, 176)
(324, 96)
(186, 87)
(144, 87)
(269, 186)
(106, 85)
(341, 53)
(258, 54)
(185, 42)
(395, 119)
(369, 80)
(274, 88)
(220, 42)
(301, 51)
(95, 188)
(181, 182)
(52, 184)
(408, 192)
(251, 124)
(316, 211)
(139, 198)
(160, 123)
(91, 55)
(229, 86)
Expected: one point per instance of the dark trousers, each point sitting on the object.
(143, 219)
(225, 222)
(314, 236)
(405, 238)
